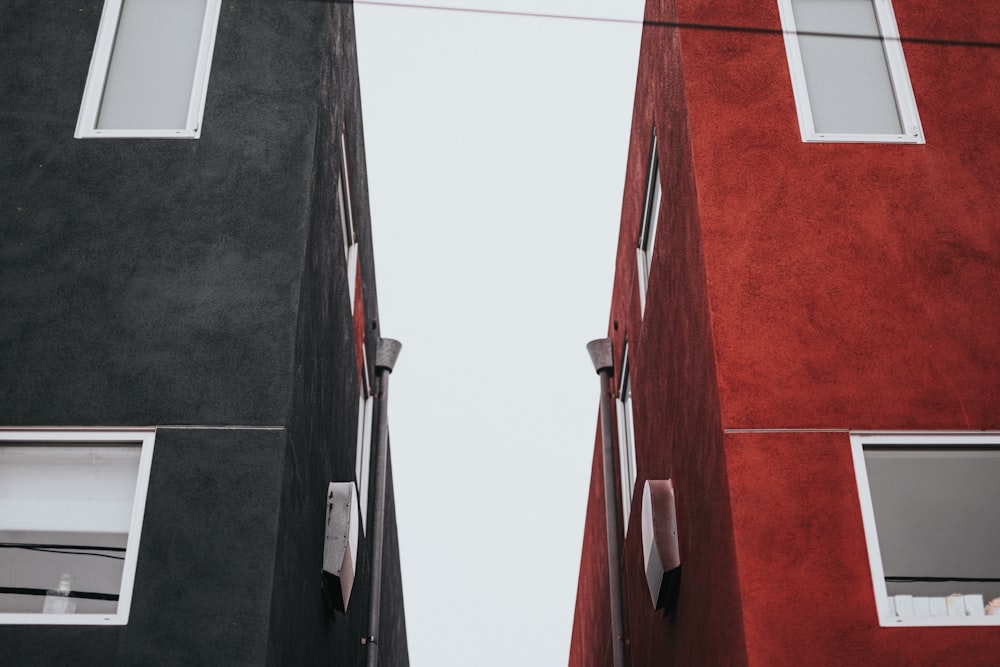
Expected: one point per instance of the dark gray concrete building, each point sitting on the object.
(188, 336)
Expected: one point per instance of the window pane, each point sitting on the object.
(629, 462)
(68, 487)
(151, 75)
(93, 572)
(653, 216)
(847, 78)
(65, 515)
(626, 444)
(936, 517)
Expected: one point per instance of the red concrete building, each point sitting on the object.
(805, 331)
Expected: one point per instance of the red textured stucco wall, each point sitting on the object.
(676, 409)
(796, 287)
(806, 586)
(851, 285)
(590, 645)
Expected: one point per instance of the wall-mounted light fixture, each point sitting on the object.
(661, 552)
(340, 546)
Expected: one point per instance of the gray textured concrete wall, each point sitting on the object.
(197, 282)
(204, 577)
(154, 281)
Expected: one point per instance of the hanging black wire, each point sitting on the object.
(85, 595)
(678, 24)
(898, 580)
(68, 549)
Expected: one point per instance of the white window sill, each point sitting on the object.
(816, 137)
(937, 621)
(138, 134)
(64, 619)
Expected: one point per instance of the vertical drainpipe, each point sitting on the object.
(601, 355)
(385, 359)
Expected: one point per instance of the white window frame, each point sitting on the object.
(859, 440)
(93, 92)
(906, 105)
(626, 440)
(145, 438)
(363, 453)
(650, 219)
(346, 214)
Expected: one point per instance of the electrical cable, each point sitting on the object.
(936, 579)
(679, 24)
(86, 595)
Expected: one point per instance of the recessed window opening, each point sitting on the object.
(149, 71)
(346, 216)
(71, 508)
(362, 459)
(626, 440)
(650, 218)
(931, 526)
(848, 73)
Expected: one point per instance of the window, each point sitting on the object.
(848, 74)
(930, 519)
(363, 455)
(347, 220)
(626, 440)
(647, 232)
(71, 507)
(149, 71)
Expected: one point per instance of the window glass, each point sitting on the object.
(151, 74)
(363, 453)
(70, 514)
(935, 520)
(626, 442)
(149, 71)
(652, 215)
(346, 216)
(650, 219)
(846, 71)
(931, 526)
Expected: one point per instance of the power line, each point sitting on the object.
(942, 579)
(680, 25)
(67, 549)
(86, 595)
(498, 12)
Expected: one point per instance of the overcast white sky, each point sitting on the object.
(496, 149)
